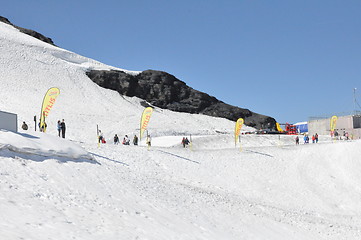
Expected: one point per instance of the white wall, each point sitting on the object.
(8, 121)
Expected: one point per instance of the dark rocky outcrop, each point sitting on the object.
(29, 32)
(166, 91)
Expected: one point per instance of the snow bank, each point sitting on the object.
(41, 144)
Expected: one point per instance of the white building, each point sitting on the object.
(350, 124)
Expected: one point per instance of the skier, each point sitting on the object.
(313, 138)
(116, 139)
(24, 126)
(316, 137)
(135, 140)
(62, 126)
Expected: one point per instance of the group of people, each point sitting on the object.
(185, 141)
(61, 128)
(345, 136)
(42, 127)
(126, 140)
(306, 139)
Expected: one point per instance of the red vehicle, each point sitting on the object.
(290, 129)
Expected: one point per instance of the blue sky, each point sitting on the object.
(287, 59)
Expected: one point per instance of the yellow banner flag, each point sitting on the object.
(278, 126)
(238, 127)
(48, 103)
(333, 123)
(147, 113)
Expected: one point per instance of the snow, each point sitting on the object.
(41, 144)
(300, 123)
(54, 188)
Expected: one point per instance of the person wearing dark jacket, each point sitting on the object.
(24, 126)
(135, 140)
(116, 139)
(62, 126)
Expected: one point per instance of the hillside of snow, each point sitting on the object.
(54, 188)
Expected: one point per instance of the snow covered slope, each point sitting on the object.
(30, 67)
(54, 188)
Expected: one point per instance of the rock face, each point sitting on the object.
(166, 91)
(29, 32)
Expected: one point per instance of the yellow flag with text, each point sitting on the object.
(48, 103)
(147, 113)
(238, 127)
(333, 123)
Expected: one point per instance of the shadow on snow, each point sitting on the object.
(190, 160)
(10, 153)
(97, 155)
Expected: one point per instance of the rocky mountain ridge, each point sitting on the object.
(164, 90)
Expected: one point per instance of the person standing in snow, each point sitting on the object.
(148, 141)
(135, 140)
(316, 137)
(336, 135)
(313, 138)
(184, 142)
(100, 136)
(116, 139)
(297, 140)
(62, 126)
(59, 127)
